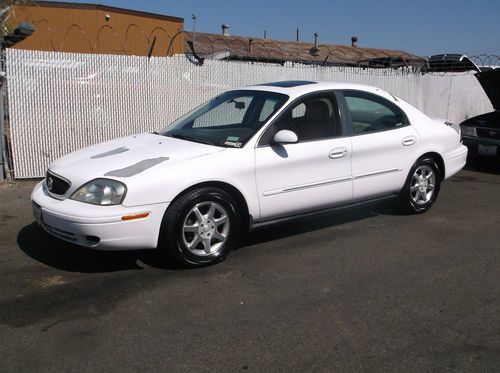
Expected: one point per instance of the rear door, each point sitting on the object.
(383, 144)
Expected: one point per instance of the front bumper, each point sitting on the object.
(97, 227)
(455, 160)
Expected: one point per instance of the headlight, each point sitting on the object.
(468, 131)
(101, 192)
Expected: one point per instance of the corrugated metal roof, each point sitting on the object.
(249, 48)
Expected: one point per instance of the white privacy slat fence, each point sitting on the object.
(60, 102)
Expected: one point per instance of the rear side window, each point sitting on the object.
(372, 113)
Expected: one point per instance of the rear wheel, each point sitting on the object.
(422, 186)
(201, 227)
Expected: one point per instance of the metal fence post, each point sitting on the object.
(3, 144)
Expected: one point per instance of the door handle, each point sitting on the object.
(409, 140)
(338, 153)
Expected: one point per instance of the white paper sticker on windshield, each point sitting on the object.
(233, 144)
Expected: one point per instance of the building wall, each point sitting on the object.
(83, 28)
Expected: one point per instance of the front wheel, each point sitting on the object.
(201, 227)
(422, 186)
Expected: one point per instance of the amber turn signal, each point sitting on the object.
(136, 216)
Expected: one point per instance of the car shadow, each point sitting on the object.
(321, 221)
(483, 165)
(42, 247)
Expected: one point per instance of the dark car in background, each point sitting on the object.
(481, 134)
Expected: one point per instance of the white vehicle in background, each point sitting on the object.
(249, 157)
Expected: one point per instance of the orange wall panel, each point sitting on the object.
(91, 29)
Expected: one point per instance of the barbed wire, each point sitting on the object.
(122, 44)
(284, 51)
(236, 48)
(489, 60)
(212, 46)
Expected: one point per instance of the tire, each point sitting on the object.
(201, 227)
(422, 186)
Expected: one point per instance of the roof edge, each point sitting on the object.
(89, 6)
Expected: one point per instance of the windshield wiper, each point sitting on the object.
(193, 139)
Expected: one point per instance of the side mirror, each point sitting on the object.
(285, 137)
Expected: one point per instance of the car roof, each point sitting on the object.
(295, 88)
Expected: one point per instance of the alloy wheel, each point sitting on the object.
(205, 228)
(423, 183)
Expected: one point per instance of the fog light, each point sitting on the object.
(93, 239)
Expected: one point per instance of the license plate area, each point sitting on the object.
(489, 150)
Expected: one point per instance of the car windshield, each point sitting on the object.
(228, 120)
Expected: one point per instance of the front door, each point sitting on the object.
(312, 174)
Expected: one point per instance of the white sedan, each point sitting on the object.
(251, 156)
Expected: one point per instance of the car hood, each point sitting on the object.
(127, 157)
(490, 81)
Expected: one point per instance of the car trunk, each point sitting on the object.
(490, 81)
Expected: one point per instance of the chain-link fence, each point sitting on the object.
(60, 102)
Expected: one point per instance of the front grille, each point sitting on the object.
(56, 184)
(488, 133)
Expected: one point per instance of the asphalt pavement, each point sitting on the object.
(365, 289)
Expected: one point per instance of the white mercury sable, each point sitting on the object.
(248, 157)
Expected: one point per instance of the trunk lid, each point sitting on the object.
(490, 81)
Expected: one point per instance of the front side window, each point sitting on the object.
(313, 118)
(372, 113)
(229, 119)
